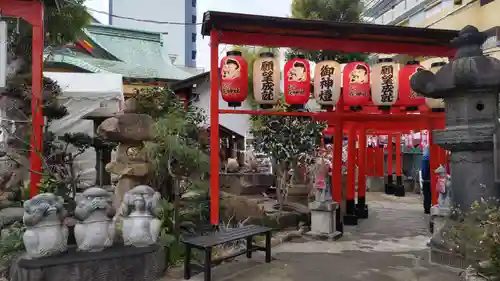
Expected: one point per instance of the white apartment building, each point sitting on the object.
(179, 37)
(404, 12)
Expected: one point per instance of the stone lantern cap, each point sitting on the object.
(100, 113)
(470, 70)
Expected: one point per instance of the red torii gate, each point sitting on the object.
(32, 12)
(243, 29)
(357, 155)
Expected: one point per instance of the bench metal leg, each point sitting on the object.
(208, 264)
(249, 247)
(268, 247)
(187, 263)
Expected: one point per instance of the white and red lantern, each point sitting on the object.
(297, 81)
(234, 78)
(327, 80)
(356, 84)
(435, 104)
(266, 80)
(406, 96)
(384, 80)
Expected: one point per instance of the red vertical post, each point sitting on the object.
(350, 217)
(447, 161)
(214, 127)
(36, 152)
(361, 208)
(433, 164)
(337, 166)
(389, 186)
(369, 165)
(399, 189)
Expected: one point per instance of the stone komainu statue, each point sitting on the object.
(45, 232)
(140, 211)
(95, 229)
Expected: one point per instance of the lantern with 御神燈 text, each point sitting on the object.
(356, 84)
(327, 80)
(266, 80)
(384, 80)
(234, 78)
(436, 105)
(406, 96)
(297, 81)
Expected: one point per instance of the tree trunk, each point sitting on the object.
(14, 126)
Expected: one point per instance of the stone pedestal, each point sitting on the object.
(115, 263)
(438, 218)
(399, 188)
(323, 220)
(375, 184)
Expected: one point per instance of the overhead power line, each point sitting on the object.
(142, 20)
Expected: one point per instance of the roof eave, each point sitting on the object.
(351, 37)
(189, 82)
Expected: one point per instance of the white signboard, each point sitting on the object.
(3, 53)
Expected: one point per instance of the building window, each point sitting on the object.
(446, 4)
(484, 2)
(193, 37)
(193, 55)
(399, 9)
(193, 19)
(194, 3)
(433, 11)
(417, 19)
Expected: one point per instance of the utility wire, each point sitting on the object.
(142, 20)
(72, 2)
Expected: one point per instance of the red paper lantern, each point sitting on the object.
(356, 84)
(234, 78)
(297, 81)
(407, 97)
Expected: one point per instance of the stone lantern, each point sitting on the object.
(469, 86)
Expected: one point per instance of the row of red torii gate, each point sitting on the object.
(380, 102)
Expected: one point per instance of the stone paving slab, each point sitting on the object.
(391, 245)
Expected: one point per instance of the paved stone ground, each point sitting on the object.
(390, 245)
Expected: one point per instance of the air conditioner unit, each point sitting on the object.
(457, 2)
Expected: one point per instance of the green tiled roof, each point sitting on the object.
(139, 54)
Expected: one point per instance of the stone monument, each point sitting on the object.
(441, 211)
(323, 208)
(130, 130)
(140, 211)
(95, 229)
(469, 86)
(45, 233)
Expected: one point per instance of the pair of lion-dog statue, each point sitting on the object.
(46, 233)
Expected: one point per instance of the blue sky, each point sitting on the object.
(280, 8)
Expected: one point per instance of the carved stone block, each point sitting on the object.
(127, 128)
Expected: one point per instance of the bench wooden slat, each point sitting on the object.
(226, 236)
